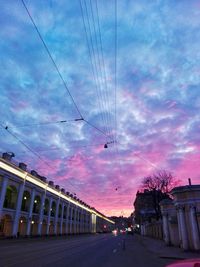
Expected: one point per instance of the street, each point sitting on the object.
(100, 250)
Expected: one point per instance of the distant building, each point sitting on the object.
(31, 206)
(146, 205)
(122, 223)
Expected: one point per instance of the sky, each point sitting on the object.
(76, 75)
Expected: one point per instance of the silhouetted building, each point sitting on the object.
(146, 205)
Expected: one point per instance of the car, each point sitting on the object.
(186, 263)
(115, 232)
(130, 232)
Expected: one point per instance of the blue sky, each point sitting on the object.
(150, 103)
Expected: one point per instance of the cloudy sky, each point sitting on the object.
(130, 72)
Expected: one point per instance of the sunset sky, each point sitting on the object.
(131, 71)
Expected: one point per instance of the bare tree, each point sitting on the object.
(162, 181)
(159, 184)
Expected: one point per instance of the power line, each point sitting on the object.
(102, 58)
(57, 69)
(148, 161)
(53, 149)
(42, 123)
(53, 61)
(93, 59)
(115, 64)
(31, 150)
(92, 125)
(25, 145)
(99, 59)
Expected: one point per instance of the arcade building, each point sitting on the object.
(32, 206)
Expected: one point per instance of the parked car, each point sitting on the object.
(186, 263)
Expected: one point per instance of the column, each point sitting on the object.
(3, 193)
(75, 220)
(85, 222)
(61, 220)
(179, 228)
(81, 222)
(41, 214)
(68, 219)
(90, 223)
(166, 228)
(30, 212)
(195, 232)
(18, 209)
(49, 215)
(71, 213)
(56, 216)
(183, 229)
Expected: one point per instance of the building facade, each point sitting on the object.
(180, 219)
(31, 206)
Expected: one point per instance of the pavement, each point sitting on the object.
(159, 248)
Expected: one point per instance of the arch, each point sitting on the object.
(68, 227)
(69, 214)
(36, 205)
(6, 225)
(51, 228)
(34, 227)
(46, 206)
(63, 228)
(65, 212)
(10, 197)
(60, 211)
(73, 228)
(58, 228)
(53, 209)
(44, 227)
(73, 214)
(22, 225)
(26, 201)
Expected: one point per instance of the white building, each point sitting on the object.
(31, 206)
(180, 223)
(181, 218)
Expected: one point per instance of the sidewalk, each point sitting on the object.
(158, 247)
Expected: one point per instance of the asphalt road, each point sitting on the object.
(100, 250)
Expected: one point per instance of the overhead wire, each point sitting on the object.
(115, 66)
(53, 61)
(56, 66)
(103, 64)
(99, 63)
(92, 58)
(94, 145)
(41, 123)
(92, 62)
(32, 151)
(89, 123)
(64, 83)
(115, 89)
(25, 145)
